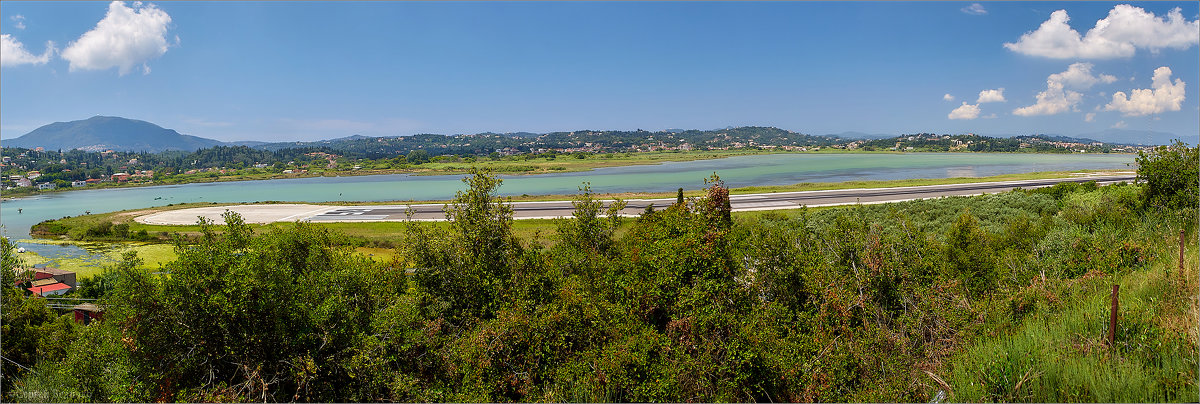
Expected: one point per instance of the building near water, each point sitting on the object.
(46, 281)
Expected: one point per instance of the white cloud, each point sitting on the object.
(1058, 97)
(1119, 35)
(1053, 100)
(1119, 125)
(1079, 76)
(990, 116)
(1164, 96)
(13, 53)
(966, 111)
(125, 38)
(948, 97)
(18, 21)
(974, 9)
(996, 95)
(1091, 116)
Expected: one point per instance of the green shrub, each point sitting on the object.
(1171, 174)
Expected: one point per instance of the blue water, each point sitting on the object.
(776, 169)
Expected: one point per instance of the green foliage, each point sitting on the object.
(102, 229)
(244, 317)
(969, 256)
(998, 293)
(1062, 189)
(588, 231)
(31, 331)
(1171, 174)
(464, 271)
(1059, 354)
(417, 157)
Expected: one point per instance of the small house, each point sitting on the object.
(46, 186)
(85, 313)
(61, 275)
(53, 289)
(41, 274)
(77, 184)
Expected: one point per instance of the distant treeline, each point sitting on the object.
(63, 167)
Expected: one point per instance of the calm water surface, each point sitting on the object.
(776, 169)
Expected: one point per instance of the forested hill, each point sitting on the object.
(580, 140)
(103, 133)
(100, 133)
(749, 137)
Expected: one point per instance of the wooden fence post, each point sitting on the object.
(1181, 232)
(1112, 321)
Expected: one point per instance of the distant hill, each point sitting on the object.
(594, 140)
(100, 133)
(247, 143)
(346, 138)
(1058, 138)
(1137, 137)
(860, 135)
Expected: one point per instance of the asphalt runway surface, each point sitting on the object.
(633, 207)
(769, 201)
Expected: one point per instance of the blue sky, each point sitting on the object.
(307, 71)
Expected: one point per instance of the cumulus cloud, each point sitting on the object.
(13, 53)
(1120, 124)
(974, 9)
(1164, 96)
(948, 97)
(966, 111)
(1091, 116)
(1053, 100)
(996, 95)
(125, 38)
(1079, 76)
(1119, 35)
(1058, 96)
(18, 21)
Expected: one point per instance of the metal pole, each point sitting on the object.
(1112, 322)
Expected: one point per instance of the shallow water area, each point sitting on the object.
(771, 169)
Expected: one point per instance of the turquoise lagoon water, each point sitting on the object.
(775, 169)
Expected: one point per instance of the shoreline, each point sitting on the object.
(129, 215)
(647, 158)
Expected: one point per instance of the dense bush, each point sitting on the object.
(1171, 174)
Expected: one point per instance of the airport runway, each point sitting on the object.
(553, 209)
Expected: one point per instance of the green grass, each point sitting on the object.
(103, 255)
(1061, 355)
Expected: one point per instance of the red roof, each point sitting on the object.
(39, 290)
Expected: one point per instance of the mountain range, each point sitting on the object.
(115, 133)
